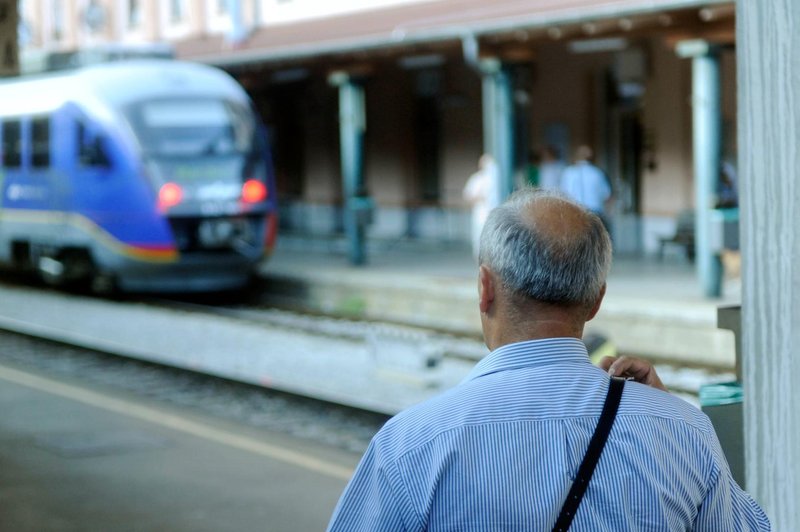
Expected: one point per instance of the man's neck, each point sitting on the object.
(534, 330)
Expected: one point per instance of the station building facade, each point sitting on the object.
(441, 82)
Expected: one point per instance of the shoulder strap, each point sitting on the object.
(592, 455)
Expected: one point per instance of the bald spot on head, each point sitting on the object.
(558, 222)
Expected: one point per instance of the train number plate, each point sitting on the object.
(216, 208)
(214, 233)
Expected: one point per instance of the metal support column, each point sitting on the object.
(352, 124)
(707, 132)
(498, 121)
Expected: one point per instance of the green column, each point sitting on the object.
(352, 124)
(498, 121)
(707, 134)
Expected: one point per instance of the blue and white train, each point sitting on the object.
(153, 175)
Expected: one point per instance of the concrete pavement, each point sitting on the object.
(74, 458)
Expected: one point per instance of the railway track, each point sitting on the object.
(379, 367)
(682, 379)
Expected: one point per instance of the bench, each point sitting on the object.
(684, 235)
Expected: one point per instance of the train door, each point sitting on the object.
(61, 166)
(86, 157)
(79, 172)
(79, 166)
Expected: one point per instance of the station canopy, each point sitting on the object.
(447, 21)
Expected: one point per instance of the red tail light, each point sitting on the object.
(169, 195)
(253, 191)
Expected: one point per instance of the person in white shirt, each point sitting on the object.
(587, 184)
(482, 191)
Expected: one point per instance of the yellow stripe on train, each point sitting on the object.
(138, 252)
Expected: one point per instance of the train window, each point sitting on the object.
(12, 144)
(192, 127)
(90, 149)
(40, 142)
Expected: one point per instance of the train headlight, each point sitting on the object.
(253, 191)
(169, 195)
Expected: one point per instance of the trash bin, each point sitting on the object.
(724, 230)
(722, 403)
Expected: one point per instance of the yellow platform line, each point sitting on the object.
(170, 421)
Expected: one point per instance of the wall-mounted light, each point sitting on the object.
(289, 75)
(413, 62)
(590, 46)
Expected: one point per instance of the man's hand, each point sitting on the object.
(630, 367)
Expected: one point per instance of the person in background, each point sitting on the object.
(727, 190)
(500, 450)
(532, 170)
(587, 184)
(482, 191)
(550, 169)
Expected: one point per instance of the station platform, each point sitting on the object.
(78, 457)
(653, 308)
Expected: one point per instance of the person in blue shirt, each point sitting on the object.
(587, 184)
(499, 451)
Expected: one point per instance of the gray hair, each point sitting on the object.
(547, 266)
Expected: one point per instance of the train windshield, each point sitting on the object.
(178, 128)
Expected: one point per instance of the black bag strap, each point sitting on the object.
(592, 455)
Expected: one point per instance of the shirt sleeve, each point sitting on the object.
(372, 500)
(727, 507)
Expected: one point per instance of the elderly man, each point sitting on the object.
(500, 451)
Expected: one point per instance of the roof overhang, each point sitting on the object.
(419, 23)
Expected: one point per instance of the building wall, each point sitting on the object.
(668, 120)
(323, 173)
(562, 94)
(462, 131)
(389, 155)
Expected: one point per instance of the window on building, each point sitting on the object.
(57, 14)
(40, 142)
(134, 14)
(12, 143)
(176, 11)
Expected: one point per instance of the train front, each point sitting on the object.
(207, 161)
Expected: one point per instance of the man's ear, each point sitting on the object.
(596, 307)
(485, 289)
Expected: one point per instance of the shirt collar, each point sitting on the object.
(531, 353)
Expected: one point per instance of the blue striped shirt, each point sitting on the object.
(497, 453)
